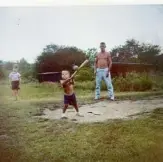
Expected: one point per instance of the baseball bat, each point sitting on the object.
(83, 64)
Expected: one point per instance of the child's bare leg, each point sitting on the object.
(77, 110)
(76, 107)
(15, 94)
(64, 110)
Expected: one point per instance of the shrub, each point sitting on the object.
(86, 85)
(132, 82)
(85, 74)
(2, 73)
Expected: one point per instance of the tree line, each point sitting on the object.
(55, 58)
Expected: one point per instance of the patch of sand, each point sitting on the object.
(105, 110)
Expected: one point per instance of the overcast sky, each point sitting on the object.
(24, 32)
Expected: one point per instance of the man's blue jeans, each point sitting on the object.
(101, 74)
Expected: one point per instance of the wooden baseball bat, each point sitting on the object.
(83, 64)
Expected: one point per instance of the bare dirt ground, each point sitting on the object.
(105, 110)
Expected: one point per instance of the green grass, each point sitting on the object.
(38, 140)
(52, 93)
(44, 140)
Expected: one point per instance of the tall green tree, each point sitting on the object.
(9, 65)
(148, 53)
(23, 65)
(55, 58)
(91, 53)
(2, 73)
(133, 51)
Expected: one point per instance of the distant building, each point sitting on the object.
(118, 68)
(49, 77)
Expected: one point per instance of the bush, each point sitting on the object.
(132, 82)
(157, 81)
(2, 72)
(86, 85)
(85, 74)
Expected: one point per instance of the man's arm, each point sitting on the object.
(95, 64)
(109, 61)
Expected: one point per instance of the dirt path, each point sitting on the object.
(105, 110)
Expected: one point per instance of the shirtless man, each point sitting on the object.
(103, 64)
(67, 83)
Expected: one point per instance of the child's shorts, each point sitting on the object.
(15, 85)
(70, 99)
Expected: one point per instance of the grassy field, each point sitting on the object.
(24, 138)
(53, 92)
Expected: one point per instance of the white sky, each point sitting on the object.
(80, 26)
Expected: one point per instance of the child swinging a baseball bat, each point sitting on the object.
(67, 83)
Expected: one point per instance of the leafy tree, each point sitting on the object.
(132, 46)
(23, 65)
(9, 65)
(148, 53)
(133, 51)
(52, 48)
(159, 62)
(1, 72)
(55, 58)
(91, 53)
(85, 74)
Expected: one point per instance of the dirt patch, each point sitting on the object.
(105, 110)
(52, 106)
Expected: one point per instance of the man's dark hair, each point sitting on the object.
(102, 43)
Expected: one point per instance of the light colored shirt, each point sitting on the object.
(14, 76)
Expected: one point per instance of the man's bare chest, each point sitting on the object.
(102, 57)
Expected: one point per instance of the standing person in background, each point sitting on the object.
(103, 64)
(14, 79)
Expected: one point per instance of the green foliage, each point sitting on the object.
(29, 73)
(23, 65)
(2, 75)
(91, 53)
(132, 82)
(85, 74)
(55, 58)
(3, 71)
(26, 69)
(85, 85)
(32, 139)
(134, 51)
(148, 53)
(9, 65)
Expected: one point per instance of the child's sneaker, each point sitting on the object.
(63, 116)
(80, 115)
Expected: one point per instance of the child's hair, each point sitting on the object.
(66, 70)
